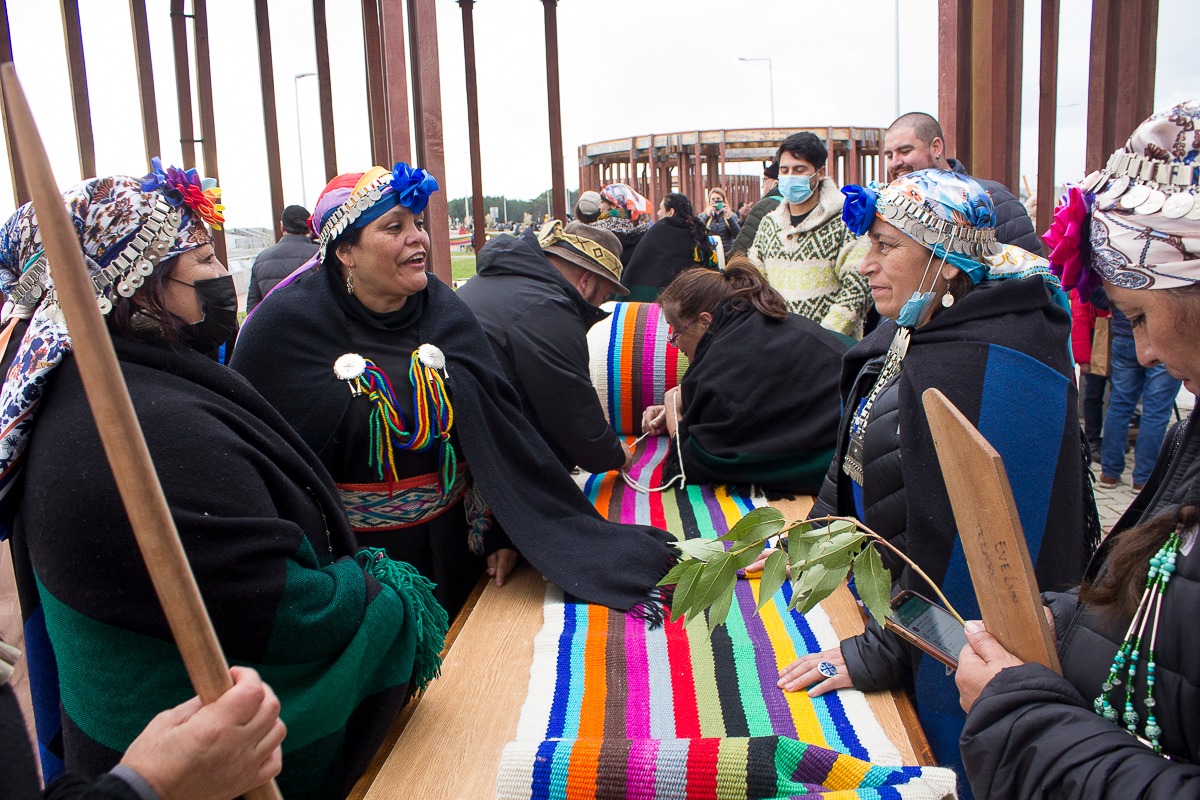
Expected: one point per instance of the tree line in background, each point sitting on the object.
(537, 208)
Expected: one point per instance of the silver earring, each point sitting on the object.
(947, 300)
(349, 281)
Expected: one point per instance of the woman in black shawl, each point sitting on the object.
(675, 243)
(759, 402)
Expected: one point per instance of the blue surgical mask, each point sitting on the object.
(913, 312)
(795, 188)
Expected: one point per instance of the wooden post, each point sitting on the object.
(207, 119)
(954, 79)
(479, 234)
(1047, 115)
(20, 192)
(77, 70)
(183, 83)
(990, 530)
(266, 79)
(376, 91)
(145, 76)
(395, 82)
(557, 180)
(1121, 74)
(120, 434)
(325, 88)
(427, 105)
(996, 90)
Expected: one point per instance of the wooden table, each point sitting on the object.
(447, 746)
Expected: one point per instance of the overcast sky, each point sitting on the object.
(628, 67)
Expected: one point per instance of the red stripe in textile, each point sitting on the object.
(702, 769)
(683, 685)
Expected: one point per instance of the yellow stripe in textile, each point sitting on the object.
(729, 507)
(704, 674)
(808, 727)
(732, 761)
(847, 773)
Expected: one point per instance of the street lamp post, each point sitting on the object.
(771, 84)
(299, 136)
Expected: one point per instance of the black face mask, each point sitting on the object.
(218, 303)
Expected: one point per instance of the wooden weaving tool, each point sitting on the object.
(116, 421)
(992, 538)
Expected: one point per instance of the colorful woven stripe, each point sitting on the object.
(632, 366)
(394, 505)
(618, 710)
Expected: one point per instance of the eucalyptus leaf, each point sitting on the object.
(681, 600)
(702, 549)
(805, 582)
(747, 557)
(720, 608)
(773, 575)
(678, 571)
(874, 583)
(838, 549)
(717, 574)
(829, 582)
(760, 523)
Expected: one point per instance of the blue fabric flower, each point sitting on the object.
(858, 212)
(413, 186)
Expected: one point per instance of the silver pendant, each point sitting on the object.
(1152, 204)
(1135, 196)
(1194, 214)
(1177, 205)
(1094, 180)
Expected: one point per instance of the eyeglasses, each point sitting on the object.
(673, 337)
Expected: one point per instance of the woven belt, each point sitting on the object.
(372, 507)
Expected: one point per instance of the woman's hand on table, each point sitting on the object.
(982, 657)
(654, 420)
(820, 672)
(759, 562)
(501, 563)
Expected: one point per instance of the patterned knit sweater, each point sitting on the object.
(814, 265)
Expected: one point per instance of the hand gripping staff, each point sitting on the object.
(115, 419)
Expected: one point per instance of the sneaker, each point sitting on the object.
(1137, 487)
(1107, 482)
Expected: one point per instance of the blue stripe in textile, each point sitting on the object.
(570, 725)
(539, 787)
(560, 767)
(562, 681)
(662, 697)
(670, 779)
(616, 323)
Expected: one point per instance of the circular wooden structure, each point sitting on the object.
(694, 161)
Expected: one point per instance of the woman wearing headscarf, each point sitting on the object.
(989, 327)
(389, 378)
(675, 243)
(759, 402)
(1123, 719)
(342, 637)
(627, 214)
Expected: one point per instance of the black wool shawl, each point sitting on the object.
(761, 403)
(666, 250)
(287, 350)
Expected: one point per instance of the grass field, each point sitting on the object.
(462, 265)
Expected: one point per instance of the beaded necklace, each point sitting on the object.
(1162, 566)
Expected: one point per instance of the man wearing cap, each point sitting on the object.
(536, 296)
(282, 258)
(587, 207)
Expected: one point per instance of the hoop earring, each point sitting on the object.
(350, 281)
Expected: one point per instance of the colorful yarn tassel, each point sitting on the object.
(429, 620)
(434, 417)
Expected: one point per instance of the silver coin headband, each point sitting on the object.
(921, 224)
(345, 214)
(1146, 186)
(128, 270)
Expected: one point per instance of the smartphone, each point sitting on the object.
(928, 626)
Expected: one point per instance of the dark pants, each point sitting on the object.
(1093, 406)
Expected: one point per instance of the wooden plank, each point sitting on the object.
(1047, 115)
(558, 183)
(208, 121)
(479, 235)
(266, 80)
(145, 78)
(183, 83)
(325, 89)
(427, 114)
(12, 631)
(1101, 86)
(954, 78)
(376, 92)
(991, 534)
(20, 192)
(80, 102)
(395, 81)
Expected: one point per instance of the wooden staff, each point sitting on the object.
(116, 421)
(990, 530)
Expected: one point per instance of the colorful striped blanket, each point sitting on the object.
(617, 710)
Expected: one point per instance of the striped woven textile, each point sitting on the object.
(616, 710)
(399, 504)
(632, 366)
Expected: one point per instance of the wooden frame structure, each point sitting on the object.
(695, 161)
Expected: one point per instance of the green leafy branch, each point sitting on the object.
(821, 553)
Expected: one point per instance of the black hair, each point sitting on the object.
(924, 126)
(682, 206)
(145, 315)
(806, 145)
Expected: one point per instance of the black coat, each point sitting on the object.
(1033, 734)
(537, 324)
(1013, 224)
(276, 263)
(745, 236)
(726, 229)
(666, 250)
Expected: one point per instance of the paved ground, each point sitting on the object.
(1113, 502)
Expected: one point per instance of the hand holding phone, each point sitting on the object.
(927, 626)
